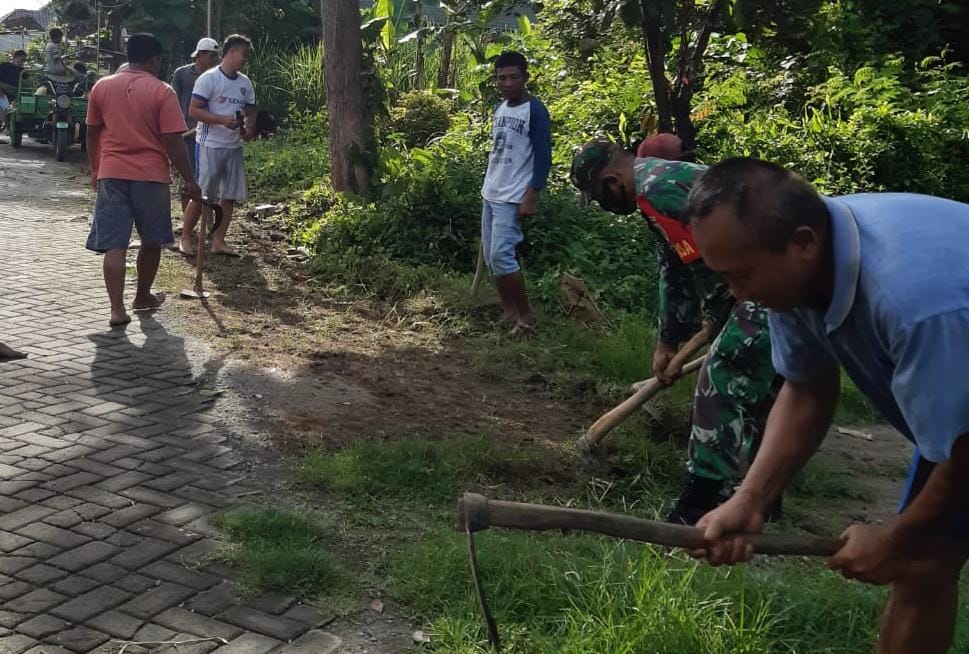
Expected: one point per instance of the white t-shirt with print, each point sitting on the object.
(224, 96)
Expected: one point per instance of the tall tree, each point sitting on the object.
(691, 23)
(349, 117)
(674, 35)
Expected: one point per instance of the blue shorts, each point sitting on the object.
(918, 475)
(122, 204)
(501, 232)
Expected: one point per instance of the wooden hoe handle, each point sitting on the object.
(605, 424)
(476, 512)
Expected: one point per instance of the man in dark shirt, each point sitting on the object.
(9, 82)
(206, 55)
(10, 70)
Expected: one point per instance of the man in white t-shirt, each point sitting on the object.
(518, 169)
(224, 104)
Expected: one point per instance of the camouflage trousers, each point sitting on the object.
(734, 393)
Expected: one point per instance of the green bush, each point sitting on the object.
(871, 130)
(420, 116)
(427, 214)
(295, 159)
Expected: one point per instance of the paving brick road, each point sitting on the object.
(111, 461)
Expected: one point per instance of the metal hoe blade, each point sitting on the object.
(194, 294)
(490, 625)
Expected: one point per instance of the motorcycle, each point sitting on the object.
(53, 113)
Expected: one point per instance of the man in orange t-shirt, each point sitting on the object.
(134, 128)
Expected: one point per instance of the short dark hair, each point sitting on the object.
(506, 59)
(769, 199)
(56, 32)
(20, 53)
(235, 41)
(141, 47)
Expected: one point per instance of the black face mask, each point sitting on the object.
(612, 201)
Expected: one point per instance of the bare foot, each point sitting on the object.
(185, 246)
(119, 320)
(522, 330)
(508, 318)
(224, 250)
(7, 353)
(149, 302)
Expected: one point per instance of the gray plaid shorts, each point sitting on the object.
(221, 173)
(123, 203)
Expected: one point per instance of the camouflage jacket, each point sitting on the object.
(689, 292)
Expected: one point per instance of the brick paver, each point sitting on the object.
(111, 461)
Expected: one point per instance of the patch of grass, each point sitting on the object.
(853, 407)
(644, 473)
(293, 161)
(824, 480)
(587, 594)
(431, 472)
(621, 354)
(276, 549)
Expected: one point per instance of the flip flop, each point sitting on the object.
(161, 297)
(233, 254)
(7, 353)
(119, 323)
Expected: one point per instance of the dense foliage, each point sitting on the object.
(829, 88)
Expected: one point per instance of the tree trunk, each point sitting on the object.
(348, 115)
(217, 13)
(689, 77)
(419, 64)
(447, 52)
(117, 39)
(685, 129)
(656, 58)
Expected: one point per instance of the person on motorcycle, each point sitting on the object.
(54, 55)
(85, 79)
(10, 81)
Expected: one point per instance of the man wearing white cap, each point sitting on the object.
(206, 56)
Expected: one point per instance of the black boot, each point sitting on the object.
(775, 511)
(698, 497)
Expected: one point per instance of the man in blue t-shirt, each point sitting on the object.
(877, 284)
(518, 168)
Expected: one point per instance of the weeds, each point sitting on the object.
(825, 481)
(276, 549)
(584, 594)
(428, 472)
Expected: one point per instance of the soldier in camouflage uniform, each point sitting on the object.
(737, 383)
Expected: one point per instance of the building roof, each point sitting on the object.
(29, 19)
(11, 42)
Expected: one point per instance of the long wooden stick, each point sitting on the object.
(478, 273)
(594, 435)
(200, 249)
(476, 513)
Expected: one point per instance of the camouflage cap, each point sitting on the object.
(590, 160)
